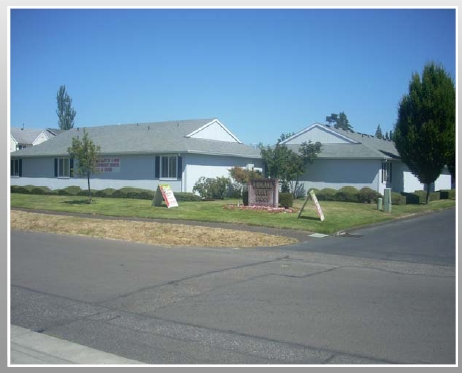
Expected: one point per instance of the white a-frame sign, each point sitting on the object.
(312, 195)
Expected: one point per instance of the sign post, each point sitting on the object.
(316, 204)
(164, 193)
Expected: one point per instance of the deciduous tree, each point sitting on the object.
(86, 153)
(424, 133)
(286, 165)
(65, 112)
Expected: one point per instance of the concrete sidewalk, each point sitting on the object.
(30, 348)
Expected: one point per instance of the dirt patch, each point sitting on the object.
(152, 233)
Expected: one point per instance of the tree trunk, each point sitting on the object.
(89, 190)
(428, 193)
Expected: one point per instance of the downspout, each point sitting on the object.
(380, 177)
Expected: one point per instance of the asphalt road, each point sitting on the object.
(334, 300)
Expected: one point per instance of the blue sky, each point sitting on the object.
(261, 72)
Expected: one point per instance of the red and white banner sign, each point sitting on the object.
(166, 193)
(108, 164)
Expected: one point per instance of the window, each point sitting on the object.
(386, 172)
(62, 167)
(16, 167)
(168, 168)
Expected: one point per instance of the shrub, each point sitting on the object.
(245, 197)
(286, 200)
(448, 194)
(419, 196)
(368, 195)
(40, 190)
(69, 191)
(209, 188)
(398, 199)
(19, 189)
(186, 197)
(105, 193)
(326, 194)
(84, 192)
(347, 194)
(411, 198)
(134, 193)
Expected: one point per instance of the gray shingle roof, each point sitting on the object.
(367, 147)
(143, 138)
(26, 135)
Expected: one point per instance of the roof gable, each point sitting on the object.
(25, 136)
(338, 143)
(214, 130)
(319, 133)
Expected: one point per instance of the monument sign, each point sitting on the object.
(264, 192)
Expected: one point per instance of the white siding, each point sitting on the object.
(412, 183)
(95, 183)
(40, 138)
(13, 144)
(135, 171)
(444, 180)
(201, 165)
(214, 131)
(320, 134)
(335, 174)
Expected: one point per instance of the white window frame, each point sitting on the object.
(62, 174)
(161, 165)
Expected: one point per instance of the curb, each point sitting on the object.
(31, 348)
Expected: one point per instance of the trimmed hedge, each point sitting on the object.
(368, 195)
(419, 197)
(347, 194)
(19, 189)
(187, 197)
(448, 194)
(326, 194)
(70, 191)
(133, 193)
(398, 199)
(105, 193)
(286, 200)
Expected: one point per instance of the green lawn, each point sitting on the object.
(338, 215)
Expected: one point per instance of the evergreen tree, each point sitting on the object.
(378, 132)
(424, 133)
(340, 121)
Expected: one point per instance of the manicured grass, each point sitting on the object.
(338, 215)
